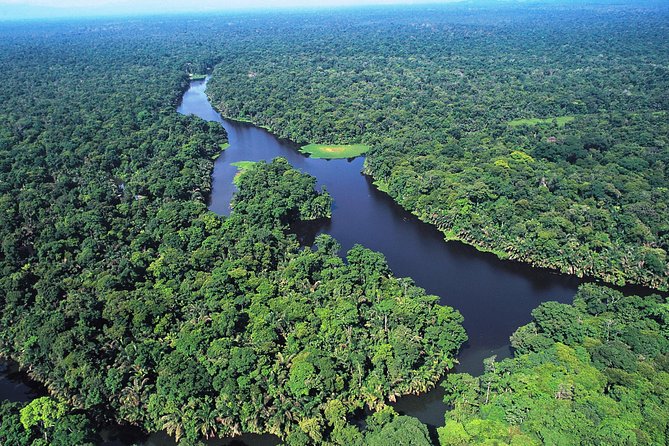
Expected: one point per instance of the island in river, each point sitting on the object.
(511, 129)
(339, 177)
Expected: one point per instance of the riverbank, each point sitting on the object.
(334, 151)
(505, 249)
(594, 268)
(495, 297)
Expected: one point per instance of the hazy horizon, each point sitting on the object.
(17, 10)
(49, 9)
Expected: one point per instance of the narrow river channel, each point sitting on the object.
(494, 296)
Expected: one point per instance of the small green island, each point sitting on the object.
(197, 77)
(334, 151)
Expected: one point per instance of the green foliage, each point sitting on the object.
(578, 382)
(124, 294)
(279, 192)
(12, 431)
(44, 422)
(133, 302)
(561, 121)
(43, 412)
(401, 431)
(329, 151)
(242, 166)
(514, 134)
(559, 322)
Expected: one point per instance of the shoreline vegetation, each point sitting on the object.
(241, 119)
(579, 188)
(503, 251)
(604, 354)
(242, 167)
(223, 147)
(159, 314)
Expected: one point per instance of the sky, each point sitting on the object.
(30, 9)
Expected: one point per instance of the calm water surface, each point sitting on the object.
(494, 296)
(16, 386)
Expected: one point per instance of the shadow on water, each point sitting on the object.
(17, 386)
(307, 231)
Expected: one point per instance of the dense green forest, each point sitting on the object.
(595, 372)
(133, 303)
(538, 134)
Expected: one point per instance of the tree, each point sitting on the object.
(42, 413)
(402, 431)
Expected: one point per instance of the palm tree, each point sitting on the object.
(173, 423)
(132, 397)
(208, 423)
(207, 418)
(231, 427)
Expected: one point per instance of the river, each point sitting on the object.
(494, 296)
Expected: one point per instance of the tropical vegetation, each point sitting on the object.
(595, 372)
(540, 134)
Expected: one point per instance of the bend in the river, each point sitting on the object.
(494, 296)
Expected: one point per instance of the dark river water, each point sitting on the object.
(494, 296)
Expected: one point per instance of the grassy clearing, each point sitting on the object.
(561, 121)
(197, 77)
(330, 151)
